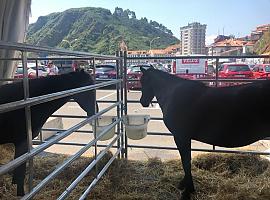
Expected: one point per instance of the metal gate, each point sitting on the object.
(216, 80)
(119, 142)
(26, 103)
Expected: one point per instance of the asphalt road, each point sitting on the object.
(133, 108)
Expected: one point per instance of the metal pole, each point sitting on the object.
(118, 76)
(216, 85)
(216, 77)
(52, 96)
(96, 120)
(66, 163)
(94, 182)
(18, 161)
(125, 98)
(37, 75)
(27, 117)
(122, 105)
(87, 169)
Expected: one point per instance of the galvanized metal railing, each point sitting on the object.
(120, 141)
(28, 102)
(215, 79)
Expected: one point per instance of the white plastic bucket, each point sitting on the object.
(102, 123)
(136, 126)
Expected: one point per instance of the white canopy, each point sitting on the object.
(14, 20)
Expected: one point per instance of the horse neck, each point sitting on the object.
(161, 85)
(51, 84)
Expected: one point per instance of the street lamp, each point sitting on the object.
(152, 41)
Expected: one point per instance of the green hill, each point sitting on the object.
(263, 44)
(98, 30)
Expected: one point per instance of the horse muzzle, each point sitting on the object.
(144, 104)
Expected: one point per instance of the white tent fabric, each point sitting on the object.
(14, 20)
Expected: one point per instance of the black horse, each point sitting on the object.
(228, 117)
(13, 125)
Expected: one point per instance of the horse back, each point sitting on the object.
(221, 116)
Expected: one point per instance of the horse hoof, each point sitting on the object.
(185, 196)
(20, 194)
(181, 185)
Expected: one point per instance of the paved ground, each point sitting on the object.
(133, 108)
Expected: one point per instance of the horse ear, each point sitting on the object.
(143, 70)
(79, 69)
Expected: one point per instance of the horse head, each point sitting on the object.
(86, 100)
(147, 89)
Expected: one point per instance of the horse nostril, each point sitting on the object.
(144, 104)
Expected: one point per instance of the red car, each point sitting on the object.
(261, 71)
(105, 71)
(134, 75)
(31, 72)
(234, 70)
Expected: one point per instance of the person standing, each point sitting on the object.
(53, 69)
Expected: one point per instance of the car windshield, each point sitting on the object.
(210, 68)
(104, 68)
(19, 70)
(238, 68)
(135, 69)
(267, 68)
(39, 68)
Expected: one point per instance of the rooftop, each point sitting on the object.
(232, 42)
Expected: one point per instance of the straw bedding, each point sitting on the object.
(216, 177)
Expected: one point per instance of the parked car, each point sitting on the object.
(168, 67)
(64, 66)
(134, 75)
(105, 71)
(261, 71)
(234, 70)
(211, 70)
(251, 66)
(161, 67)
(32, 72)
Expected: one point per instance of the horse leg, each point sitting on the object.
(184, 147)
(19, 172)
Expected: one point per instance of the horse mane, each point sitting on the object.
(173, 78)
(44, 85)
(54, 78)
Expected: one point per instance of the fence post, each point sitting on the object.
(214, 147)
(122, 104)
(125, 98)
(95, 126)
(27, 117)
(216, 78)
(119, 107)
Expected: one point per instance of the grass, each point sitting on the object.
(216, 177)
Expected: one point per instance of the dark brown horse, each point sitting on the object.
(12, 123)
(227, 117)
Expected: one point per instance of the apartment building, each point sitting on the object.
(192, 37)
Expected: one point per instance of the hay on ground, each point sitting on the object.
(216, 177)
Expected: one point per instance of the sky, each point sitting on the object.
(236, 17)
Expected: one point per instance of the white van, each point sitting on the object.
(192, 66)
